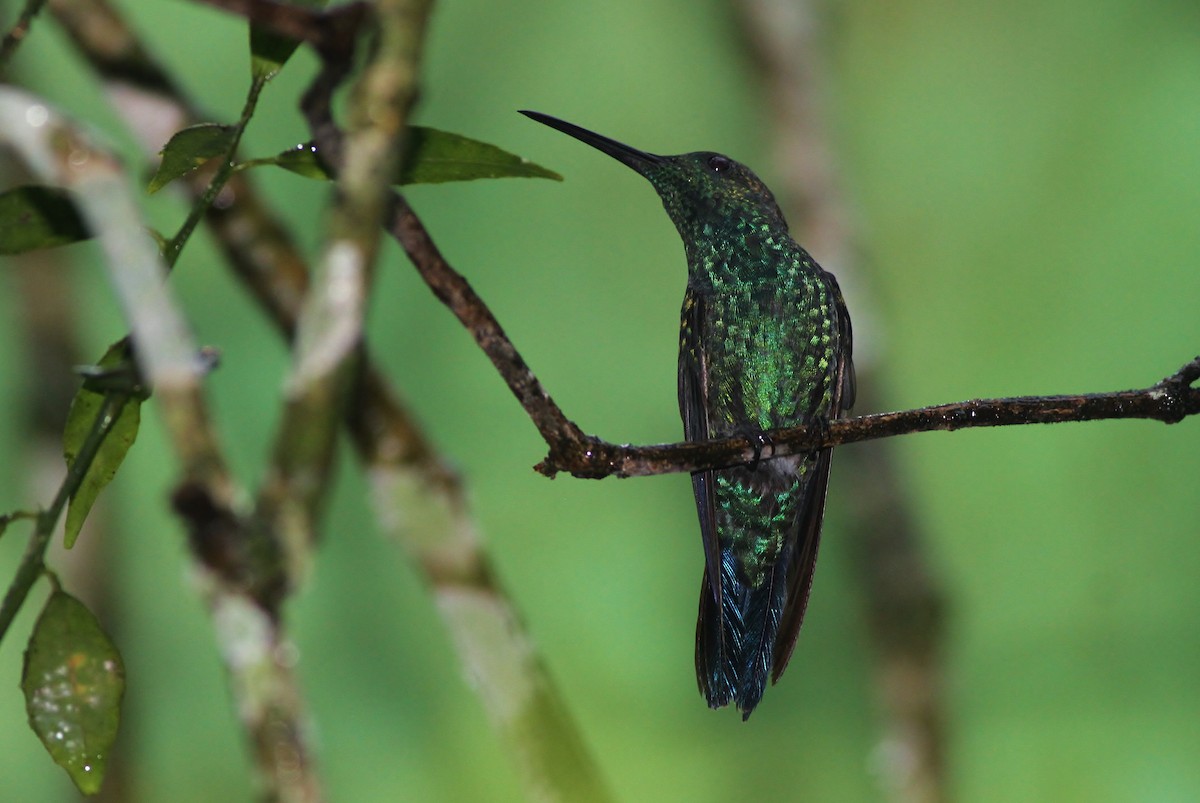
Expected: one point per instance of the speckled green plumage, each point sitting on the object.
(765, 343)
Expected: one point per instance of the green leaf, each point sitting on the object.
(80, 420)
(431, 157)
(73, 682)
(190, 148)
(301, 160)
(33, 217)
(269, 51)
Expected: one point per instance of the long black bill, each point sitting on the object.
(632, 157)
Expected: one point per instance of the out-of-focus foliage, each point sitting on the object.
(1026, 179)
(269, 51)
(33, 217)
(81, 418)
(189, 149)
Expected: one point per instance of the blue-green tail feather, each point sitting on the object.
(735, 647)
(769, 524)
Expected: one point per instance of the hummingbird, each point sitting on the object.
(765, 342)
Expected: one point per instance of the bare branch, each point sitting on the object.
(456, 293)
(1169, 401)
(589, 457)
(329, 329)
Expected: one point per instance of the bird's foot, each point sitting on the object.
(820, 426)
(759, 441)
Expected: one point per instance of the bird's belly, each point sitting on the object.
(767, 369)
(756, 512)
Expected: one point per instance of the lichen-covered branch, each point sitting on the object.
(420, 501)
(169, 363)
(329, 329)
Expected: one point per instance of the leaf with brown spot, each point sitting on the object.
(73, 681)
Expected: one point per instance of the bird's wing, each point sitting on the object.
(845, 386)
(693, 394)
(804, 555)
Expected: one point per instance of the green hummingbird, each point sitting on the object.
(764, 343)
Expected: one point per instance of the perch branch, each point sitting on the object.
(1169, 401)
(585, 456)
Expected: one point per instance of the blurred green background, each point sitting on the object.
(1026, 180)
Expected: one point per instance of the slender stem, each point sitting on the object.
(246, 164)
(33, 562)
(224, 172)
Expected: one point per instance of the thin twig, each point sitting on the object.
(457, 294)
(17, 33)
(1170, 401)
(33, 561)
(225, 170)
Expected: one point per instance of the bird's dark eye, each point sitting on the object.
(719, 164)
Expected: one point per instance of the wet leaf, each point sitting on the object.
(432, 157)
(302, 160)
(80, 419)
(190, 148)
(34, 216)
(73, 682)
(270, 51)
